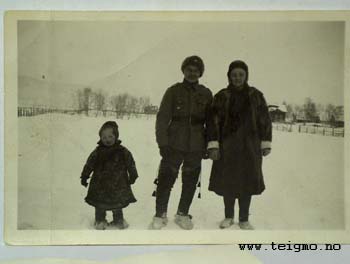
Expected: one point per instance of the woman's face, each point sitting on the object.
(107, 137)
(192, 73)
(238, 77)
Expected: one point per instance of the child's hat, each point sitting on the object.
(110, 124)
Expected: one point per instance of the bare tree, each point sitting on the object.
(132, 104)
(80, 100)
(330, 112)
(99, 99)
(118, 103)
(143, 102)
(122, 104)
(339, 112)
(290, 111)
(86, 99)
(310, 111)
(320, 109)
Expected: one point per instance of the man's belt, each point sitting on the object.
(188, 120)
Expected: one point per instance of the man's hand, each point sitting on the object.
(164, 151)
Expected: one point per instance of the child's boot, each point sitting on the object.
(118, 220)
(100, 219)
(101, 225)
(120, 224)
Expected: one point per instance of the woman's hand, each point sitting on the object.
(214, 153)
(266, 151)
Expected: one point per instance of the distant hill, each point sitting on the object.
(36, 92)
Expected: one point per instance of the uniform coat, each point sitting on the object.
(183, 116)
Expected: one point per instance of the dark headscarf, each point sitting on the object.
(239, 99)
(105, 153)
(238, 64)
(110, 124)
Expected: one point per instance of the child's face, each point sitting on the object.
(192, 73)
(238, 77)
(107, 137)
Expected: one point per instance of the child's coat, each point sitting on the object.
(114, 171)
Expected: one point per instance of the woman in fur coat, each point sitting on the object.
(240, 135)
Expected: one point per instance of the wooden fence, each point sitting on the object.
(34, 111)
(320, 130)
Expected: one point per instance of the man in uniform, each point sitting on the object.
(181, 136)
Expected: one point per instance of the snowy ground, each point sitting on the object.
(303, 175)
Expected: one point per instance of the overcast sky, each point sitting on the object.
(287, 61)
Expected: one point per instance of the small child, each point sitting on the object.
(114, 171)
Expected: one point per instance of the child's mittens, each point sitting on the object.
(132, 179)
(84, 182)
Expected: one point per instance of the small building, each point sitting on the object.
(300, 117)
(335, 118)
(150, 109)
(339, 120)
(277, 112)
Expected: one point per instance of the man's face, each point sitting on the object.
(238, 77)
(107, 137)
(192, 73)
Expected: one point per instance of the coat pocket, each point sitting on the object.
(179, 105)
(201, 102)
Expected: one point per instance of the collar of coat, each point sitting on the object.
(252, 94)
(190, 85)
(250, 89)
(115, 145)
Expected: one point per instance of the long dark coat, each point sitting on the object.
(109, 187)
(182, 117)
(239, 169)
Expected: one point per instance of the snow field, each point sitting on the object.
(304, 178)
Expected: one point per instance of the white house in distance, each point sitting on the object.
(278, 112)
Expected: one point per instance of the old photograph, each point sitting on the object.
(179, 125)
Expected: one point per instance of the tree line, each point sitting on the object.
(313, 112)
(89, 101)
